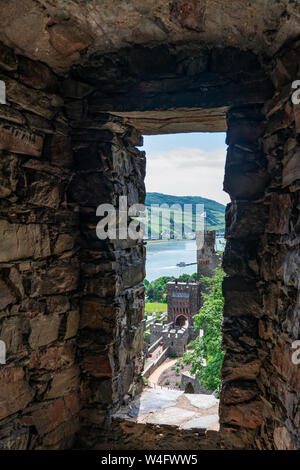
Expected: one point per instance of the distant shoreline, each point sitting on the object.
(152, 242)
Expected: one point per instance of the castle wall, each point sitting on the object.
(186, 379)
(260, 377)
(71, 305)
(175, 338)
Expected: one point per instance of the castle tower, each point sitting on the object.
(184, 297)
(207, 257)
(183, 302)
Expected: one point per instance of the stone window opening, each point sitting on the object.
(180, 315)
(70, 139)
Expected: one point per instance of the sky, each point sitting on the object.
(186, 164)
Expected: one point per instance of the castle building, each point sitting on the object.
(184, 298)
(183, 301)
(207, 257)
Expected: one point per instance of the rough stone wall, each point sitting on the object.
(246, 176)
(279, 322)
(148, 370)
(128, 435)
(110, 341)
(156, 331)
(259, 405)
(191, 384)
(175, 338)
(179, 87)
(63, 33)
(39, 262)
(71, 305)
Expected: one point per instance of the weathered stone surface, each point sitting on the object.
(8, 60)
(203, 422)
(14, 438)
(20, 141)
(58, 304)
(244, 219)
(246, 370)
(72, 324)
(56, 280)
(238, 392)
(240, 334)
(170, 121)
(44, 330)
(23, 241)
(58, 150)
(41, 194)
(6, 295)
(291, 268)
(97, 366)
(9, 172)
(39, 123)
(53, 357)
(67, 38)
(12, 332)
(132, 275)
(157, 399)
(188, 13)
(291, 170)
(38, 102)
(246, 415)
(176, 417)
(247, 26)
(280, 212)
(245, 174)
(63, 436)
(202, 401)
(10, 114)
(169, 418)
(46, 417)
(282, 361)
(64, 242)
(297, 117)
(63, 383)
(96, 315)
(239, 287)
(37, 75)
(282, 439)
(15, 393)
(244, 131)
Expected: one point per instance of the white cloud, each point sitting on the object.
(187, 172)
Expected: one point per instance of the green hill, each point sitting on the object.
(215, 212)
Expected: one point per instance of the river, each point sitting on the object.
(162, 258)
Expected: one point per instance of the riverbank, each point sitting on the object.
(151, 242)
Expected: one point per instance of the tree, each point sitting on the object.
(207, 348)
(156, 291)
